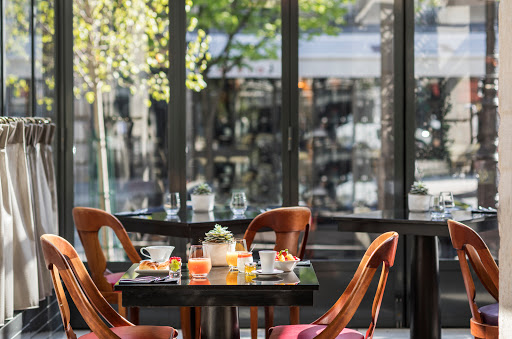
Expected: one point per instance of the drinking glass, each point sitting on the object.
(172, 203)
(199, 262)
(232, 256)
(238, 203)
(446, 199)
(436, 207)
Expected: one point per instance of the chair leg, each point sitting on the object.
(185, 322)
(198, 322)
(269, 319)
(134, 315)
(294, 315)
(254, 322)
(122, 310)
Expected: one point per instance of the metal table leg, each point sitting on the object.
(425, 313)
(219, 322)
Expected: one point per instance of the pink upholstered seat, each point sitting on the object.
(308, 332)
(139, 332)
(112, 278)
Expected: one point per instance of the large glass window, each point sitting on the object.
(456, 101)
(233, 123)
(122, 92)
(346, 114)
(346, 105)
(18, 58)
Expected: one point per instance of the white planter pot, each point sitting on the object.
(418, 202)
(203, 203)
(217, 252)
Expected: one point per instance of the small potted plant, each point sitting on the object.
(418, 198)
(217, 243)
(202, 198)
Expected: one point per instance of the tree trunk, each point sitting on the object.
(387, 156)
(485, 162)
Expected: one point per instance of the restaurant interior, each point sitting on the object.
(255, 169)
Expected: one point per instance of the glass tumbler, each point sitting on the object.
(232, 254)
(199, 262)
(436, 208)
(172, 203)
(446, 199)
(238, 203)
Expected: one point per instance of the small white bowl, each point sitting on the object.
(286, 266)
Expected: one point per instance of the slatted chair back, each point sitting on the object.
(88, 222)
(469, 245)
(63, 262)
(381, 252)
(287, 223)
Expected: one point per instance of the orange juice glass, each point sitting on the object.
(231, 258)
(199, 264)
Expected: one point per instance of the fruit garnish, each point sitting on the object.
(175, 264)
(177, 258)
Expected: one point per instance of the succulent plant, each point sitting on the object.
(202, 189)
(419, 188)
(219, 234)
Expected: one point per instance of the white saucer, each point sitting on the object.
(258, 272)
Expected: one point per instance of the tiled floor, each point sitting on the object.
(382, 333)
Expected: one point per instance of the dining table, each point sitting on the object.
(425, 316)
(221, 293)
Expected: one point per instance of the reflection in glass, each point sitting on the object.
(456, 102)
(44, 58)
(233, 124)
(346, 106)
(18, 60)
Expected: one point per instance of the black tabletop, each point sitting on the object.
(224, 288)
(405, 222)
(187, 224)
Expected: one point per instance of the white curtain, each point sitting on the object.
(6, 276)
(28, 209)
(41, 201)
(49, 170)
(26, 288)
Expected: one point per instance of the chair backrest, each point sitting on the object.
(381, 251)
(63, 262)
(287, 223)
(88, 222)
(468, 243)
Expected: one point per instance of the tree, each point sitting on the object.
(125, 43)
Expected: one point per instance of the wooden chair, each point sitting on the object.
(333, 323)
(63, 262)
(287, 223)
(484, 321)
(88, 222)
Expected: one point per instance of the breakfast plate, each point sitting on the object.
(151, 272)
(260, 273)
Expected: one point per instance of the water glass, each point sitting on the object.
(436, 208)
(172, 203)
(238, 203)
(446, 199)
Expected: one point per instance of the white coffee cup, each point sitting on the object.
(157, 253)
(268, 259)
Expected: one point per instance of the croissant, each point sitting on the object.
(147, 265)
(162, 265)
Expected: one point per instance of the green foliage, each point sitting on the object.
(125, 43)
(419, 187)
(219, 234)
(202, 189)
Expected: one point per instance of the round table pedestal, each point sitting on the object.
(219, 322)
